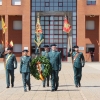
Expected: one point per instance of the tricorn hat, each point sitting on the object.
(25, 50)
(76, 46)
(53, 45)
(46, 46)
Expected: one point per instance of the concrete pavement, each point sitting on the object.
(90, 89)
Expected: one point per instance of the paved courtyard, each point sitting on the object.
(90, 89)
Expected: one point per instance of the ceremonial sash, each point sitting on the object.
(8, 58)
(75, 58)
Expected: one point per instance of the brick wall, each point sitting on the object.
(85, 37)
(23, 13)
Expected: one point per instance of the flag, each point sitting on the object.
(39, 38)
(11, 43)
(4, 27)
(67, 26)
(38, 26)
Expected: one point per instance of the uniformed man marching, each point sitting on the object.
(25, 69)
(78, 63)
(10, 62)
(45, 53)
(55, 60)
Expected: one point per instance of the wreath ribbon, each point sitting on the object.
(39, 70)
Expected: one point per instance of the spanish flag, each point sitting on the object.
(11, 43)
(67, 26)
(4, 27)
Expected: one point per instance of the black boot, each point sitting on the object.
(12, 85)
(79, 84)
(25, 90)
(7, 87)
(76, 86)
(29, 88)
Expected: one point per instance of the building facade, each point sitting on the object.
(83, 15)
(88, 27)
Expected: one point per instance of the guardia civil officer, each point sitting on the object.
(11, 64)
(55, 60)
(78, 63)
(25, 69)
(45, 53)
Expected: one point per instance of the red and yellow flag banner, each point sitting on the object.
(67, 26)
(38, 26)
(11, 43)
(4, 27)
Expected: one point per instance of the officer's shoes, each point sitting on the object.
(52, 90)
(76, 86)
(12, 85)
(25, 90)
(79, 84)
(7, 87)
(56, 89)
(47, 85)
(43, 85)
(29, 88)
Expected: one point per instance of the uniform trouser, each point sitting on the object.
(58, 79)
(77, 75)
(26, 79)
(54, 79)
(8, 74)
(46, 79)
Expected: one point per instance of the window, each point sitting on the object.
(17, 48)
(0, 2)
(60, 4)
(17, 25)
(16, 2)
(91, 2)
(90, 47)
(0, 25)
(90, 25)
(47, 4)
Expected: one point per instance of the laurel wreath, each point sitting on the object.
(47, 67)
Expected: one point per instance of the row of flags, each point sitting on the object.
(39, 36)
(8, 44)
(4, 28)
(66, 28)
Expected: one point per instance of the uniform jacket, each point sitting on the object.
(55, 60)
(79, 62)
(44, 53)
(11, 64)
(25, 64)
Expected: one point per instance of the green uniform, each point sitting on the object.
(79, 62)
(55, 61)
(45, 53)
(10, 62)
(25, 70)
